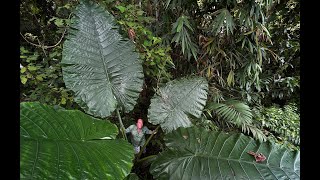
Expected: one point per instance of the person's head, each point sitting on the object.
(139, 123)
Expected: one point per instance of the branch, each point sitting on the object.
(37, 45)
(59, 40)
(47, 47)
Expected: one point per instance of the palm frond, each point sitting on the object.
(256, 132)
(238, 114)
(223, 20)
(182, 36)
(232, 110)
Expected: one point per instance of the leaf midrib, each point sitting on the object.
(108, 84)
(65, 140)
(105, 67)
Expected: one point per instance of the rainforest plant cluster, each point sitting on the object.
(215, 78)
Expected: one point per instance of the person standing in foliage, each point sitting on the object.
(137, 137)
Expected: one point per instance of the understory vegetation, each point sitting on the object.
(219, 80)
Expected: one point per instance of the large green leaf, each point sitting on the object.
(195, 153)
(99, 65)
(176, 100)
(66, 144)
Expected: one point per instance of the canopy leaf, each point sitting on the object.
(67, 144)
(98, 64)
(195, 153)
(176, 100)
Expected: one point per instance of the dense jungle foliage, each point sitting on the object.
(216, 79)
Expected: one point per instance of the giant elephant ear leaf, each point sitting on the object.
(176, 100)
(98, 64)
(67, 144)
(195, 153)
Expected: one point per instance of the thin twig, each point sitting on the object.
(37, 45)
(42, 47)
(38, 21)
(59, 40)
(46, 47)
